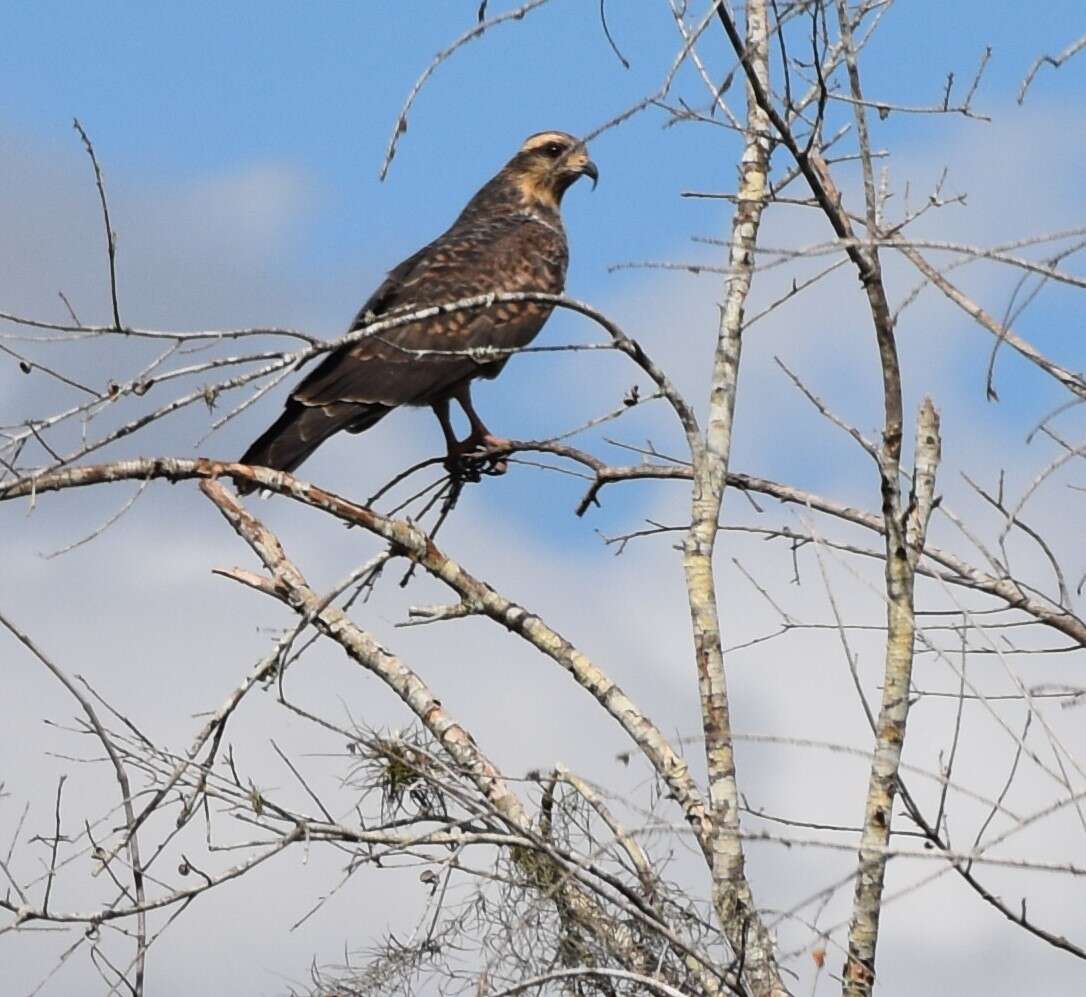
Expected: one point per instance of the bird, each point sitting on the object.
(508, 238)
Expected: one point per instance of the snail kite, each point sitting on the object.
(508, 238)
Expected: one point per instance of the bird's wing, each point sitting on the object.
(415, 363)
(385, 298)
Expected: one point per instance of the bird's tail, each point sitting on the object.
(303, 428)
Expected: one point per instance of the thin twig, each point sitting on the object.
(111, 236)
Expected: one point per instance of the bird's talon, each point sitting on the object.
(462, 468)
(470, 465)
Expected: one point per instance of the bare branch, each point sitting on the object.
(132, 843)
(111, 236)
(890, 728)
(477, 30)
(1055, 61)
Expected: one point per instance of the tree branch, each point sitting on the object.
(890, 729)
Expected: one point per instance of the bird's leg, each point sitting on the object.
(481, 437)
(454, 458)
(441, 410)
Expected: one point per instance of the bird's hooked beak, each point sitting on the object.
(579, 163)
(589, 169)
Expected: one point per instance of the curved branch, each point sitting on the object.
(181, 469)
(476, 31)
(287, 584)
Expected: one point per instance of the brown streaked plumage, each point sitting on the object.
(509, 237)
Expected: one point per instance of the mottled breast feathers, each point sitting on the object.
(496, 245)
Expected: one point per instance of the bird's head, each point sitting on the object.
(547, 164)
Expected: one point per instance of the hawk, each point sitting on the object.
(509, 237)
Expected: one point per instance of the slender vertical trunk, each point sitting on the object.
(731, 894)
(902, 555)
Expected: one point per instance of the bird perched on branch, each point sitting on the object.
(509, 238)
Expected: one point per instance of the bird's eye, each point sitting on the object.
(554, 149)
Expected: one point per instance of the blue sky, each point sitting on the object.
(171, 94)
(241, 145)
(200, 101)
